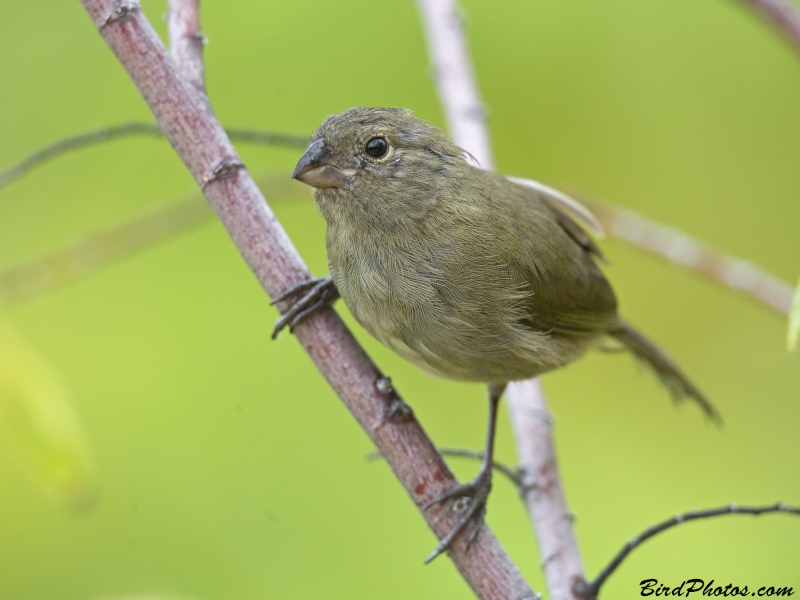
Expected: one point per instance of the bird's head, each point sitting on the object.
(377, 155)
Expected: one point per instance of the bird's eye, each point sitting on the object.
(377, 147)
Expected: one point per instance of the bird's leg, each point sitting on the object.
(476, 490)
(313, 294)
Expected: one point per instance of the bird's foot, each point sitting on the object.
(312, 295)
(471, 503)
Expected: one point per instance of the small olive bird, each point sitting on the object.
(466, 273)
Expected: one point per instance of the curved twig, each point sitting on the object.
(590, 590)
(72, 143)
(512, 473)
(106, 134)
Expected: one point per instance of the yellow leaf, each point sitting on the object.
(40, 425)
(794, 321)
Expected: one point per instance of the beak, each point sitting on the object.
(317, 169)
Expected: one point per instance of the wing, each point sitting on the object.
(570, 295)
(569, 213)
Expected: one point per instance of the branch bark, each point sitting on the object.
(783, 15)
(682, 249)
(186, 40)
(542, 491)
(455, 78)
(545, 501)
(187, 120)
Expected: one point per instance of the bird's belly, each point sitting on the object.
(413, 320)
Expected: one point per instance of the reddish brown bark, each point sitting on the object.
(193, 130)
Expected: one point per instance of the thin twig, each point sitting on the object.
(71, 143)
(273, 138)
(661, 240)
(688, 252)
(466, 118)
(664, 241)
(127, 129)
(186, 40)
(189, 123)
(782, 14)
(512, 473)
(590, 590)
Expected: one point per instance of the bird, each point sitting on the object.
(464, 272)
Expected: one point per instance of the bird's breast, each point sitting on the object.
(454, 314)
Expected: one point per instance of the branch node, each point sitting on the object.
(199, 38)
(549, 558)
(543, 415)
(384, 385)
(585, 590)
(527, 482)
(121, 13)
(399, 410)
(225, 170)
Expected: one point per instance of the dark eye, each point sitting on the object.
(377, 147)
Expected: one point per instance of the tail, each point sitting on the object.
(668, 372)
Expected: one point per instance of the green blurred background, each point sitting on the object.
(225, 466)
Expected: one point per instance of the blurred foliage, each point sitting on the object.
(40, 425)
(228, 468)
(794, 320)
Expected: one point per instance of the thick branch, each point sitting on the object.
(186, 40)
(191, 127)
(783, 15)
(589, 590)
(466, 119)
